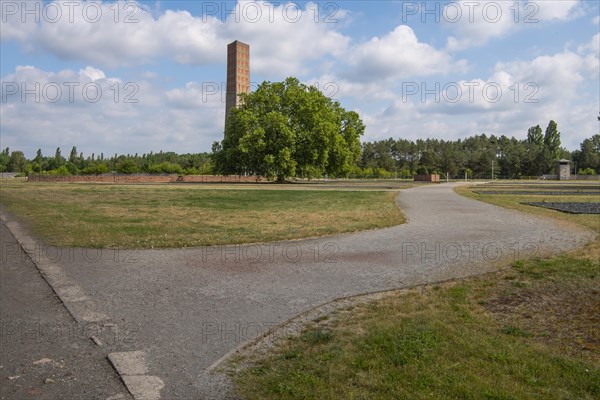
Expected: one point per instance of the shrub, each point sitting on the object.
(587, 171)
(62, 171)
(127, 167)
(95, 169)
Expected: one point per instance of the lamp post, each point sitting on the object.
(497, 154)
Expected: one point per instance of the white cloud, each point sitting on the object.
(30, 85)
(127, 117)
(13, 25)
(366, 73)
(93, 74)
(399, 54)
(560, 72)
(105, 42)
(197, 95)
(339, 88)
(517, 85)
(475, 23)
(280, 43)
(557, 90)
(593, 47)
(282, 36)
(558, 10)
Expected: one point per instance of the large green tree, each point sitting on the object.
(288, 129)
(18, 162)
(535, 162)
(4, 159)
(589, 155)
(552, 149)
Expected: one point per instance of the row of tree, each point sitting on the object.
(477, 155)
(389, 158)
(77, 164)
(288, 129)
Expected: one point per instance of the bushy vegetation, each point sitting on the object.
(384, 159)
(473, 156)
(587, 171)
(77, 164)
(288, 129)
(291, 130)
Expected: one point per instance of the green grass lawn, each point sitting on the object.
(155, 216)
(514, 202)
(529, 332)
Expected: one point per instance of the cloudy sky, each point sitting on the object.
(133, 77)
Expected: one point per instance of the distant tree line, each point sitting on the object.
(78, 164)
(512, 158)
(400, 158)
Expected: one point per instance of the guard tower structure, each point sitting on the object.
(563, 170)
(238, 74)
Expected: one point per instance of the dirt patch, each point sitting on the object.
(567, 317)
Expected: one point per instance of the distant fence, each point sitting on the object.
(572, 178)
(143, 178)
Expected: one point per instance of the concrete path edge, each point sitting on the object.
(130, 366)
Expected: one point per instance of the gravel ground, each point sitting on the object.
(569, 207)
(188, 309)
(539, 192)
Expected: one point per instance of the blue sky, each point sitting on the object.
(133, 77)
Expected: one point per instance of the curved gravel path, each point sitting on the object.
(188, 308)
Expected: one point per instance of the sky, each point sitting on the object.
(138, 76)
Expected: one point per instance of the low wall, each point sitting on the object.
(551, 177)
(141, 178)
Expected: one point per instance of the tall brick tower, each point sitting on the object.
(238, 74)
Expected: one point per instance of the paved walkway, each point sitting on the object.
(185, 309)
(44, 352)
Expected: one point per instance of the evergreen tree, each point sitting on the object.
(551, 146)
(73, 155)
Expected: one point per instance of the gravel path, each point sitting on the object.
(188, 308)
(44, 353)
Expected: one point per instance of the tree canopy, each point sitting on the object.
(401, 158)
(288, 129)
(512, 158)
